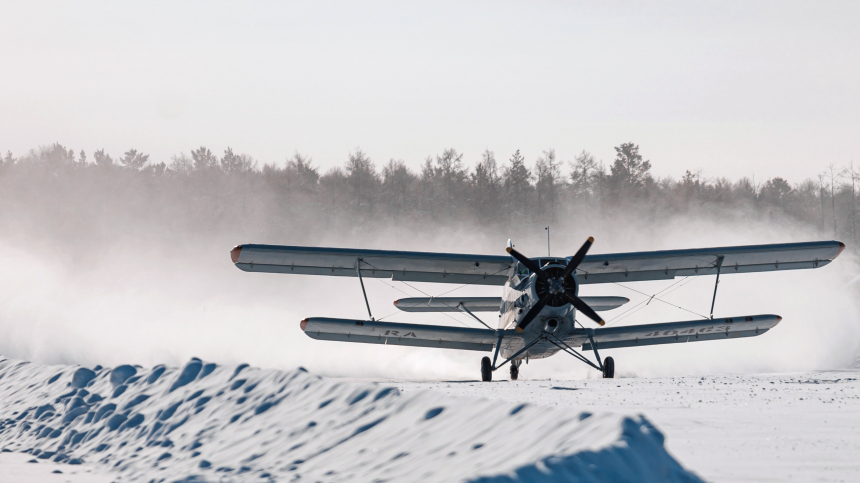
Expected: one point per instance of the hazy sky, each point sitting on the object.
(764, 88)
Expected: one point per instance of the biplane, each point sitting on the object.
(540, 296)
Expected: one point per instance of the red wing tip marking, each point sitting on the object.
(602, 323)
(778, 319)
(519, 330)
(508, 249)
(234, 253)
(395, 302)
(303, 324)
(591, 239)
(841, 247)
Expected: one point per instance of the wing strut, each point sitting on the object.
(570, 350)
(717, 284)
(498, 346)
(361, 281)
(464, 309)
(509, 359)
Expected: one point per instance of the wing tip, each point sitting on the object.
(303, 324)
(602, 322)
(591, 239)
(519, 330)
(841, 247)
(508, 249)
(235, 252)
(778, 320)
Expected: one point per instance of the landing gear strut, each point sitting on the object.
(608, 368)
(515, 370)
(486, 370)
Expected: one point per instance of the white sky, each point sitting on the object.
(735, 89)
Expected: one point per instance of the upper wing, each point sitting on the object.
(668, 264)
(395, 265)
(492, 269)
(689, 331)
(416, 335)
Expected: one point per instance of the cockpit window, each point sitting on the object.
(522, 271)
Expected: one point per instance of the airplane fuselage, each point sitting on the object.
(519, 294)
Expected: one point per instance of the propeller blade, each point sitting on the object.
(584, 308)
(532, 314)
(577, 259)
(528, 263)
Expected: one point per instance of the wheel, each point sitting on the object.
(486, 370)
(515, 371)
(608, 368)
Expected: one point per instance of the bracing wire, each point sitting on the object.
(428, 295)
(639, 306)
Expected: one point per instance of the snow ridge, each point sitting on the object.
(206, 422)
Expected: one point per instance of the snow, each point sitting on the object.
(756, 428)
(24, 468)
(208, 422)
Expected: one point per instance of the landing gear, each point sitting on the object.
(486, 370)
(515, 370)
(608, 368)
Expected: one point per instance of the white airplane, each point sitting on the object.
(540, 296)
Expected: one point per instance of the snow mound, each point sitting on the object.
(206, 422)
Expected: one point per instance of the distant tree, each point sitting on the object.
(157, 169)
(235, 163)
(363, 179)
(335, 190)
(548, 171)
(181, 163)
(582, 174)
(834, 175)
(517, 181)
(690, 185)
(102, 160)
(450, 173)
(629, 173)
(486, 186)
(134, 160)
(301, 174)
(853, 175)
(9, 160)
(397, 182)
(203, 159)
(82, 158)
(776, 190)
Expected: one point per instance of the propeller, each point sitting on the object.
(553, 283)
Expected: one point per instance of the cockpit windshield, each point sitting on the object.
(522, 271)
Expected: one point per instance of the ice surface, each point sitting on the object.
(207, 423)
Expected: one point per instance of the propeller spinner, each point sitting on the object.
(556, 285)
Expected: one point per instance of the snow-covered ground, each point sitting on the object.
(206, 422)
(768, 427)
(239, 423)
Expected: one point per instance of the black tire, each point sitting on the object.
(608, 368)
(486, 370)
(515, 371)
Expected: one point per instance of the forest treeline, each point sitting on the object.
(204, 190)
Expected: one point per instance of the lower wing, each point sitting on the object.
(677, 332)
(416, 335)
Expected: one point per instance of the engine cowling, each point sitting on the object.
(555, 286)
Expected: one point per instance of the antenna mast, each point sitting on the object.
(547, 241)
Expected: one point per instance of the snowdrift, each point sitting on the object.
(206, 422)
